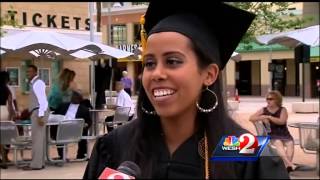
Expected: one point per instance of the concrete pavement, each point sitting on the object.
(247, 106)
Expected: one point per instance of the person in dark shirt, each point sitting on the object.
(6, 111)
(274, 117)
(180, 110)
(73, 110)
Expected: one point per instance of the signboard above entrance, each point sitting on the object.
(128, 47)
(51, 20)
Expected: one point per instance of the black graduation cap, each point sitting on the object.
(214, 26)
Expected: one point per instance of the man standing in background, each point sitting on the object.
(102, 82)
(38, 106)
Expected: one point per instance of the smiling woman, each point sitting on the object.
(170, 79)
(180, 111)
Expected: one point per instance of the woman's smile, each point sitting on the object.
(162, 94)
(171, 76)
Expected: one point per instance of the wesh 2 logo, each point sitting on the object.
(246, 147)
(245, 144)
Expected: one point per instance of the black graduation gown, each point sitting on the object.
(185, 162)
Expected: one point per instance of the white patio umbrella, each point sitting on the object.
(51, 44)
(308, 36)
(57, 42)
(102, 54)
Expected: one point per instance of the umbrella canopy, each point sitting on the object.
(308, 36)
(57, 42)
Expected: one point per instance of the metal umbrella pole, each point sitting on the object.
(110, 58)
(318, 85)
(92, 80)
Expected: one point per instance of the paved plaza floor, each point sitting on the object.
(247, 106)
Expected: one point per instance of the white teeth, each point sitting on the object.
(162, 92)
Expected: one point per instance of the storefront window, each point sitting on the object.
(118, 35)
(24, 80)
(55, 70)
(13, 76)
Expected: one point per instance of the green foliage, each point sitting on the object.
(271, 17)
(6, 20)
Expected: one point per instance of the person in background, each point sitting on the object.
(86, 101)
(138, 83)
(16, 113)
(72, 110)
(14, 101)
(127, 82)
(38, 108)
(62, 89)
(123, 100)
(275, 117)
(102, 82)
(181, 110)
(6, 98)
(7, 112)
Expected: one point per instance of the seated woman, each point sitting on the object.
(275, 116)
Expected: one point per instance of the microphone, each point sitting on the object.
(130, 168)
(126, 170)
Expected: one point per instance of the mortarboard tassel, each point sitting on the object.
(143, 34)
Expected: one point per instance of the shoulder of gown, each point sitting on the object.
(268, 166)
(109, 150)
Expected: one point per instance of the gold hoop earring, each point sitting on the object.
(213, 107)
(148, 112)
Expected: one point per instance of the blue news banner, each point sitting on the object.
(246, 147)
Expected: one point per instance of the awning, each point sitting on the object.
(84, 35)
(53, 43)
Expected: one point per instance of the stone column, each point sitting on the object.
(265, 75)
(131, 65)
(231, 78)
(307, 80)
(104, 31)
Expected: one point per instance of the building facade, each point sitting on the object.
(67, 18)
(120, 25)
(274, 67)
(122, 21)
(250, 76)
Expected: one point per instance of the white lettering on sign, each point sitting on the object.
(128, 47)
